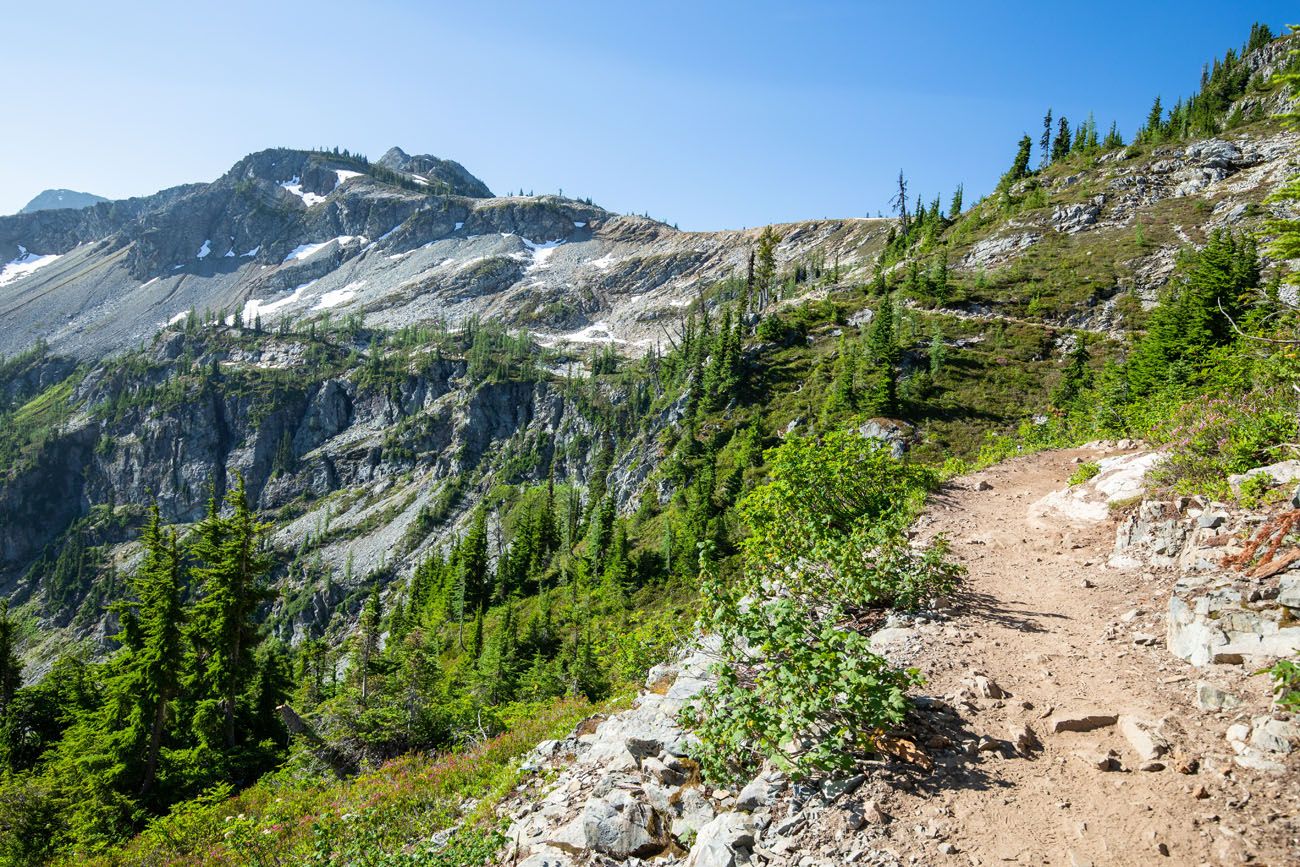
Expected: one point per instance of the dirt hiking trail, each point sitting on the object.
(1117, 765)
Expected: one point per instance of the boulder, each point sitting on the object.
(1288, 591)
(693, 812)
(1068, 219)
(724, 842)
(993, 251)
(896, 435)
(1024, 738)
(1220, 626)
(622, 826)
(1119, 478)
(760, 791)
(1214, 154)
(1274, 736)
(833, 789)
(984, 686)
(1282, 473)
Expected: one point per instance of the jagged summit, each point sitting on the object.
(55, 200)
(290, 234)
(432, 168)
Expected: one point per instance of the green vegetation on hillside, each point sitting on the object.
(201, 739)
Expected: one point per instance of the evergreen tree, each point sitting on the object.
(1077, 377)
(418, 683)
(900, 203)
(1113, 138)
(498, 665)
(1285, 245)
(600, 533)
(1196, 315)
(1153, 130)
(11, 669)
(365, 650)
(938, 350)
(271, 687)
(223, 633)
(474, 566)
(1045, 141)
(765, 273)
(1061, 146)
(954, 207)
(843, 394)
(882, 346)
(150, 679)
(1019, 167)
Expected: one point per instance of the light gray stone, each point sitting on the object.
(834, 789)
(759, 792)
(621, 826)
(1142, 736)
(1274, 736)
(1282, 473)
(1210, 697)
(724, 842)
(1024, 738)
(1210, 522)
(1288, 591)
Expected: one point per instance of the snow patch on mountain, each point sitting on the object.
(336, 297)
(255, 307)
(294, 185)
(25, 264)
(541, 252)
(306, 251)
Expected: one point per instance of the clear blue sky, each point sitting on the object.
(708, 114)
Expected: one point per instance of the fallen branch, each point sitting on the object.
(1268, 537)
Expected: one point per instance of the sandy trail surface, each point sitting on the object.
(1070, 639)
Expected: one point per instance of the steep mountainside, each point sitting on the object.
(262, 301)
(507, 448)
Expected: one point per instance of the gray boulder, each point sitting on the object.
(621, 826)
(724, 842)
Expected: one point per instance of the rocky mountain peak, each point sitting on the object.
(60, 199)
(432, 168)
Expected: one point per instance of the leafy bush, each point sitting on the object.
(1213, 436)
(799, 683)
(781, 330)
(1286, 683)
(1084, 473)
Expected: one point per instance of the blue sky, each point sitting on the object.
(709, 115)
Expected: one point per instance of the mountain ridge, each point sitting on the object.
(59, 199)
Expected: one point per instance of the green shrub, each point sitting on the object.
(1084, 473)
(799, 683)
(1286, 683)
(1254, 488)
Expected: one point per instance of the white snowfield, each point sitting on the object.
(336, 297)
(541, 252)
(25, 264)
(255, 308)
(294, 185)
(306, 251)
